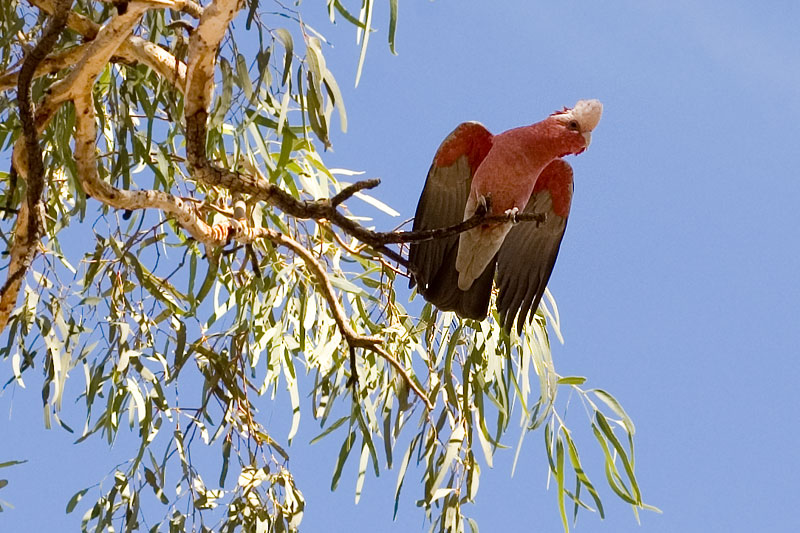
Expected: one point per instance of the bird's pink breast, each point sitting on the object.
(509, 172)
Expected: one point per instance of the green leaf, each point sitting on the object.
(560, 481)
(392, 25)
(572, 380)
(581, 475)
(441, 493)
(329, 429)
(609, 434)
(287, 145)
(316, 114)
(294, 395)
(344, 453)
(366, 17)
(401, 473)
(316, 63)
(75, 499)
(282, 115)
(347, 15)
(454, 444)
(153, 481)
(347, 286)
(366, 435)
(180, 347)
(362, 470)
(615, 406)
(387, 437)
(285, 38)
(338, 100)
(224, 102)
(226, 455)
(243, 77)
(612, 475)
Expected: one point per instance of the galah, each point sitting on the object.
(517, 171)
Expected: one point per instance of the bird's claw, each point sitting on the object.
(484, 205)
(512, 214)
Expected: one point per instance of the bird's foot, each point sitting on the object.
(512, 214)
(484, 205)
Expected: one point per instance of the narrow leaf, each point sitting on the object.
(392, 25)
(367, 17)
(451, 452)
(609, 433)
(401, 474)
(344, 453)
(572, 380)
(75, 499)
(285, 38)
(615, 406)
(560, 481)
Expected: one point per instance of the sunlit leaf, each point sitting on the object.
(288, 45)
(366, 18)
(615, 406)
(454, 444)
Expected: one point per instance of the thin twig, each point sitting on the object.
(350, 190)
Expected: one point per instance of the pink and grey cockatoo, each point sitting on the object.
(518, 171)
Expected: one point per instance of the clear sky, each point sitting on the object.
(677, 280)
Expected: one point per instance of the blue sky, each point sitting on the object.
(677, 281)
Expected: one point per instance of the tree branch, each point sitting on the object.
(350, 190)
(86, 162)
(49, 65)
(134, 49)
(31, 215)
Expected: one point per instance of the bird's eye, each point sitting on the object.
(573, 125)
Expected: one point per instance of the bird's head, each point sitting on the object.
(578, 123)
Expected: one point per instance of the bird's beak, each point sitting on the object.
(588, 136)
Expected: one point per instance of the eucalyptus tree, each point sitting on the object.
(177, 247)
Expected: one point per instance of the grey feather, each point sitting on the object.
(526, 260)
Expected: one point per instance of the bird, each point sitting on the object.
(521, 170)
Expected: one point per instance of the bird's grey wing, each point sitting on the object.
(528, 255)
(432, 262)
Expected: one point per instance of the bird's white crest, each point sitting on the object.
(586, 112)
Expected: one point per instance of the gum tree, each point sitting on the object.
(177, 246)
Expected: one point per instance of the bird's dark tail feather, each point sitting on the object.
(443, 292)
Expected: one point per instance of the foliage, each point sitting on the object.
(182, 321)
